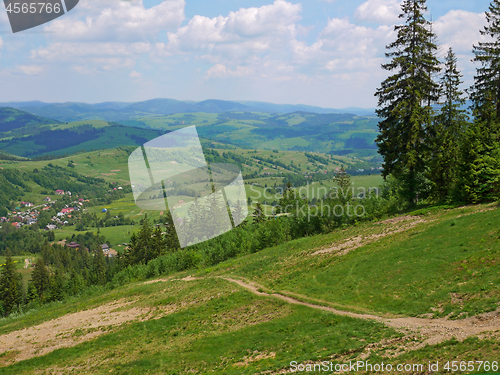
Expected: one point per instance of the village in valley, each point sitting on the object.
(27, 214)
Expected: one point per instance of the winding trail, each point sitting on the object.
(433, 331)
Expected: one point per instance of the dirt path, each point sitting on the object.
(433, 331)
(68, 330)
(389, 227)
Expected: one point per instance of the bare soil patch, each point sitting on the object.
(72, 329)
(390, 227)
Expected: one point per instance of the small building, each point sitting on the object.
(16, 225)
(27, 204)
(73, 245)
(60, 192)
(105, 247)
(68, 193)
(47, 199)
(51, 227)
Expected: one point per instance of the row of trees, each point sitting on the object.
(427, 142)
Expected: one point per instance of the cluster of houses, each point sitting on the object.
(61, 192)
(18, 218)
(108, 252)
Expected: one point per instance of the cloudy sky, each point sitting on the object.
(318, 52)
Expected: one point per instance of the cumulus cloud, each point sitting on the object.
(29, 69)
(459, 29)
(379, 11)
(134, 74)
(246, 31)
(222, 71)
(64, 51)
(342, 40)
(127, 21)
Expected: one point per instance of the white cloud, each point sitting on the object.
(65, 51)
(379, 11)
(459, 29)
(221, 71)
(29, 69)
(130, 21)
(134, 74)
(342, 40)
(244, 32)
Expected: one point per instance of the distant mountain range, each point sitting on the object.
(28, 135)
(116, 111)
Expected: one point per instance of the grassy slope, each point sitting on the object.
(450, 261)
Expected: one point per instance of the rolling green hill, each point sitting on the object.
(68, 138)
(231, 123)
(342, 134)
(12, 120)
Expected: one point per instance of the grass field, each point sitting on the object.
(431, 263)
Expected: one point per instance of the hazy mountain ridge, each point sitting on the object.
(116, 111)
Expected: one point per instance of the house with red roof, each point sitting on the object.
(60, 192)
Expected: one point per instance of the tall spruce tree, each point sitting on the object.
(9, 288)
(487, 80)
(40, 277)
(446, 134)
(480, 167)
(406, 96)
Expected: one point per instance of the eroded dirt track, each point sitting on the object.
(433, 330)
(69, 330)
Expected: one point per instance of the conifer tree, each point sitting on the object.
(480, 161)
(259, 214)
(487, 80)
(480, 167)
(171, 239)
(405, 98)
(343, 180)
(40, 278)
(9, 288)
(99, 267)
(447, 133)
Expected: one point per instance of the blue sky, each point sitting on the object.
(317, 52)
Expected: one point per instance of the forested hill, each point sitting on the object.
(12, 119)
(68, 138)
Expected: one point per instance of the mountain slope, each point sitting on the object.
(410, 295)
(60, 139)
(12, 119)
